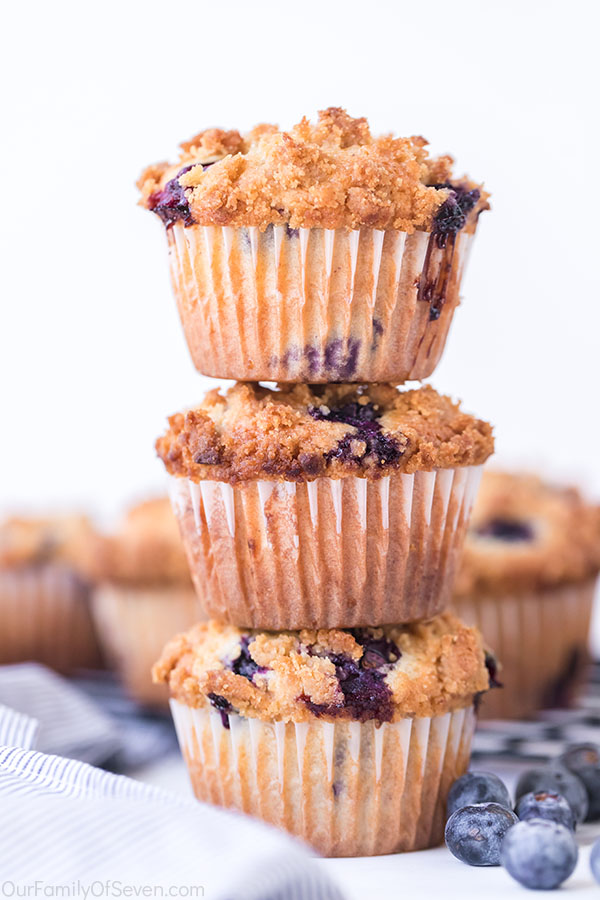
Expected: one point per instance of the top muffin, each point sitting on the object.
(525, 534)
(332, 174)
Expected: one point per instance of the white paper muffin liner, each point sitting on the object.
(541, 641)
(45, 616)
(134, 623)
(315, 305)
(327, 553)
(348, 789)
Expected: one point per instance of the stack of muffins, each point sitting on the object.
(329, 693)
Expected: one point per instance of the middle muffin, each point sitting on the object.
(324, 506)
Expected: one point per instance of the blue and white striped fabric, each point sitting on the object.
(69, 722)
(16, 729)
(75, 830)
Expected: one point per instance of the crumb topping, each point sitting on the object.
(38, 540)
(302, 432)
(386, 674)
(526, 533)
(328, 174)
(147, 548)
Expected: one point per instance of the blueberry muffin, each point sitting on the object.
(320, 254)
(527, 580)
(144, 594)
(323, 506)
(45, 593)
(348, 739)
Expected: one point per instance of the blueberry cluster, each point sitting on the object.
(380, 448)
(362, 682)
(535, 842)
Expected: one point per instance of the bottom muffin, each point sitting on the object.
(144, 593)
(349, 739)
(527, 580)
(44, 594)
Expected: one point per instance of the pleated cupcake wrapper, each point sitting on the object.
(134, 624)
(313, 304)
(348, 789)
(540, 639)
(327, 553)
(45, 617)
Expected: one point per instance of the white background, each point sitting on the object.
(91, 353)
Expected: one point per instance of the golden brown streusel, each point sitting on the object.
(253, 432)
(441, 667)
(36, 540)
(332, 174)
(563, 546)
(146, 549)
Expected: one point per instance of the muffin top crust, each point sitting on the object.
(526, 533)
(301, 432)
(38, 540)
(388, 673)
(146, 549)
(331, 174)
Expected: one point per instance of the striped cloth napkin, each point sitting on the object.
(72, 830)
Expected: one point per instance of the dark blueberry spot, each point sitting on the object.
(208, 457)
(510, 530)
(333, 354)
(362, 682)
(378, 652)
(223, 706)
(311, 463)
(491, 665)
(377, 328)
(539, 854)
(474, 834)
(348, 366)
(170, 204)
(244, 664)
(545, 805)
(291, 232)
(477, 787)
(381, 448)
(336, 787)
(452, 214)
(313, 359)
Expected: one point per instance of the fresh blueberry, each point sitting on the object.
(545, 805)
(555, 779)
(583, 760)
(477, 787)
(595, 861)
(539, 854)
(474, 834)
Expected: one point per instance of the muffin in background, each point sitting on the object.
(527, 580)
(347, 739)
(323, 506)
(143, 595)
(316, 255)
(45, 593)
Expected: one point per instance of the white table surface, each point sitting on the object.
(428, 873)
